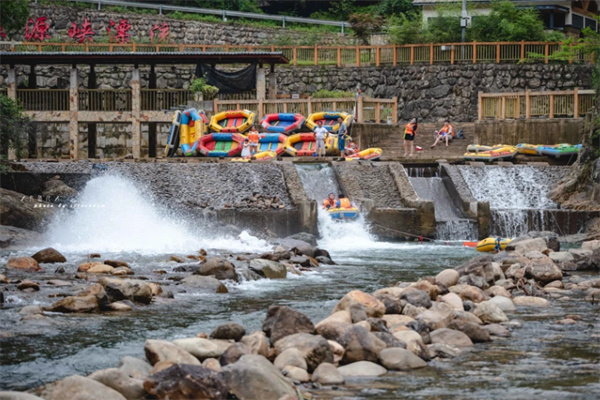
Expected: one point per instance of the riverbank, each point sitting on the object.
(427, 317)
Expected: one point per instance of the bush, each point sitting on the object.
(392, 8)
(13, 14)
(331, 94)
(364, 25)
(199, 85)
(14, 126)
(507, 23)
(405, 30)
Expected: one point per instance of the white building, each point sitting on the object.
(567, 16)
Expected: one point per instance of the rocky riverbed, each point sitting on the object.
(411, 326)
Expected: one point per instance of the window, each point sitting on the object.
(590, 23)
(577, 21)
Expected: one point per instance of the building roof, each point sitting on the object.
(140, 58)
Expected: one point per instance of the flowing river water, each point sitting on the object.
(540, 359)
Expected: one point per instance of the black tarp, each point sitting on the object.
(229, 82)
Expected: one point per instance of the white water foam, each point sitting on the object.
(115, 216)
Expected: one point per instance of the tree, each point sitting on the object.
(404, 29)
(13, 14)
(364, 25)
(507, 23)
(14, 126)
(391, 8)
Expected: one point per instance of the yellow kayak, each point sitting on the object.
(489, 244)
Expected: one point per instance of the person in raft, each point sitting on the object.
(246, 150)
(343, 202)
(321, 135)
(409, 136)
(329, 202)
(446, 133)
(342, 134)
(254, 138)
(498, 246)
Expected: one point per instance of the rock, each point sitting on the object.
(411, 311)
(561, 256)
(478, 267)
(135, 367)
(116, 263)
(295, 374)
(396, 358)
(49, 255)
(439, 316)
(314, 348)
(395, 320)
(257, 343)
(392, 305)
(496, 330)
(268, 269)
(523, 246)
(360, 345)
(127, 289)
(591, 245)
(122, 271)
(472, 330)
(338, 351)
(254, 377)
(327, 374)
(77, 387)
(183, 381)
(27, 284)
(414, 343)
(453, 300)
(282, 321)
(530, 301)
(448, 277)
(22, 211)
(205, 283)
(96, 290)
(115, 378)
(504, 303)
(228, 331)
(299, 247)
(218, 267)
(18, 396)
(498, 291)
(84, 267)
(450, 337)
(119, 306)
(377, 325)
(582, 258)
(212, 363)
(468, 292)
(373, 307)
(292, 357)
(305, 237)
(203, 348)
(362, 369)
(3, 278)
(76, 304)
(490, 313)
(416, 297)
(543, 270)
(389, 339)
(31, 310)
(56, 188)
(233, 353)
(99, 268)
(422, 284)
(442, 350)
(161, 350)
(358, 313)
(23, 264)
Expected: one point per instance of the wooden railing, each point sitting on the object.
(164, 99)
(44, 99)
(105, 100)
(560, 104)
(433, 53)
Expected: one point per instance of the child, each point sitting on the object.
(246, 149)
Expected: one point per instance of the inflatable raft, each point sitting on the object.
(502, 153)
(489, 244)
(529, 149)
(221, 144)
(303, 144)
(282, 123)
(367, 154)
(476, 148)
(330, 120)
(238, 121)
(559, 150)
(341, 214)
(192, 127)
(173, 138)
(271, 142)
(262, 156)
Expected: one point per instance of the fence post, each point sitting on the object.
(334, 106)
(339, 57)
(474, 52)
(359, 109)
(261, 111)
(309, 106)
(431, 53)
(395, 54)
(377, 56)
(136, 128)
(215, 105)
(73, 120)
(357, 56)
(503, 112)
(479, 106)
(452, 55)
(181, 47)
(377, 113)
(576, 103)
(527, 104)
(412, 55)
(497, 53)
(294, 56)
(395, 110)
(316, 55)
(546, 54)
(551, 107)
(522, 49)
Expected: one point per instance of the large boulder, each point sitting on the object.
(438, 316)
(299, 246)
(183, 381)
(550, 239)
(314, 348)
(530, 301)
(543, 270)
(18, 237)
(257, 342)
(414, 343)
(233, 353)
(282, 321)
(453, 300)
(205, 283)
(468, 292)
(57, 189)
(49, 255)
(218, 267)
(23, 264)
(478, 267)
(327, 374)
(447, 278)
(396, 358)
(504, 303)
(476, 333)
(135, 367)
(228, 331)
(18, 396)
(373, 307)
(161, 350)
(305, 237)
(127, 289)
(450, 337)
(490, 313)
(526, 245)
(416, 297)
(389, 339)
(76, 304)
(24, 212)
(77, 387)
(360, 345)
(292, 357)
(268, 269)
(117, 379)
(203, 348)
(253, 377)
(362, 369)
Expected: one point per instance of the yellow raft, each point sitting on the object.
(262, 156)
(303, 145)
(501, 153)
(236, 121)
(476, 148)
(329, 120)
(489, 244)
(367, 154)
(526, 148)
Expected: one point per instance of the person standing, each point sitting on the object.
(246, 150)
(342, 135)
(254, 138)
(321, 135)
(409, 136)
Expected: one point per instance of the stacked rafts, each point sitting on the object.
(451, 223)
(518, 197)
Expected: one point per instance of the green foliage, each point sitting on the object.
(13, 14)
(507, 23)
(14, 126)
(330, 94)
(390, 8)
(199, 85)
(364, 25)
(445, 28)
(233, 5)
(405, 30)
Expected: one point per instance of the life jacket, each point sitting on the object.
(328, 203)
(352, 147)
(445, 130)
(253, 136)
(344, 202)
(410, 129)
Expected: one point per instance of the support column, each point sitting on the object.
(73, 121)
(92, 126)
(152, 125)
(272, 83)
(261, 84)
(136, 129)
(11, 92)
